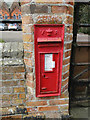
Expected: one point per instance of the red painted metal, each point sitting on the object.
(49, 40)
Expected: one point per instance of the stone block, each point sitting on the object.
(27, 19)
(6, 50)
(27, 38)
(38, 8)
(48, 108)
(59, 9)
(14, 49)
(37, 103)
(19, 90)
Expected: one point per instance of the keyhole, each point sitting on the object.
(44, 75)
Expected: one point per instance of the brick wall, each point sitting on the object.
(46, 12)
(12, 81)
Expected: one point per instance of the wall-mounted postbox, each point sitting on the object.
(49, 41)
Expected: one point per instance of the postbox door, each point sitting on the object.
(49, 72)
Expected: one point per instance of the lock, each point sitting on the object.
(48, 41)
(44, 76)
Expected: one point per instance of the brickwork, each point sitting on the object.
(12, 81)
(46, 12)
(13, 88)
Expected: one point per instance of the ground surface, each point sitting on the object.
(11, 36)
(80, 111)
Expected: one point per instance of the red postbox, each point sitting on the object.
(49, 41)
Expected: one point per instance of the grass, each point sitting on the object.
(1, 41)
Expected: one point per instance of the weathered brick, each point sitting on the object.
(9, 83)
(13, 69)
(65, 94)
(64, 108)
(29, 69)
(65, 75)
(65, 82)
(71, 2)
(69, 10)
(25, 9)
(58, 102)
(53, 115)
(27, 19)
(21, 82)
(25, 1)
(29, 110)
(7, 90)
(16, 101)
(28, 29)
(5, 97)
(30, 76)
(30, 91)
(36, 103)
(6, 103)
(66, 61)
(69, 29)
(30, 83)
(69, 20)
(18, 76)
(38, 8)
(9, 96)
(35, 114)
(22, 96)
(7, 76)
(68, 46)
(68, 38)
(13, 96)
(49, 19)
(28, 62)
(59, 9)
(27, 38)
(47, 98)
(28, 54)
(49, 108)
(28, 46)
(19, 89)
(67, 54)
(48, 1)
(66, 68)
(65, 88)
